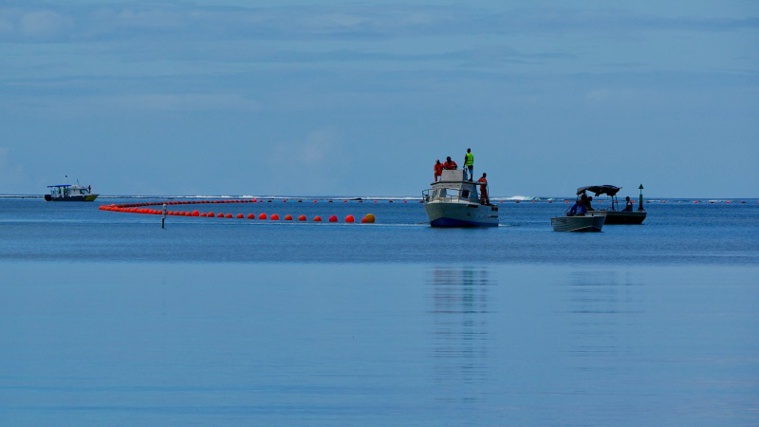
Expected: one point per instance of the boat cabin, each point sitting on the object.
(68, 190)
(453, 188)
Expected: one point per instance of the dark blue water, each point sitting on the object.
(107, 319)
(675, 232)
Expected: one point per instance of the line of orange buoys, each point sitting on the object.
(147, 209)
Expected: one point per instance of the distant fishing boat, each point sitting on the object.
(70, 193)
(454, 202)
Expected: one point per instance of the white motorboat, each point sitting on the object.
(591, 221)
(454, 202)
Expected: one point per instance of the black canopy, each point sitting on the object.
(600, 189)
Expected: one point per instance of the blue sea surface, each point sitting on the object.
(108, 319)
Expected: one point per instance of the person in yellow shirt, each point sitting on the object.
(469, 163)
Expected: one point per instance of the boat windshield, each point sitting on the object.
(453, 195)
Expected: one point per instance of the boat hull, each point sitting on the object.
(443, 214)
(625, 217)
(87, 198)
(590, 222)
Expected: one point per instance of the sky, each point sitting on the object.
(359, 98)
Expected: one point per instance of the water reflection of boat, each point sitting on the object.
(591, 221)
(70, 193)
(615, 215)
(454, 202)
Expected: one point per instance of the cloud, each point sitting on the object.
(597, 95)
(319, 147)
(11, 174)
(180, 102)
(34, 24)
(186, 21)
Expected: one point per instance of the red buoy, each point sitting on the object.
(333, 218)
(317, 218)
(240, 216)
(274, 217)
(251, 216)
(262, 216)
(288, 217)
(350, 219)
(229, 215)
(301, 218)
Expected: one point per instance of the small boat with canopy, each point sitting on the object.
(614, 215)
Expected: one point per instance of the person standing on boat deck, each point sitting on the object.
(469, 163)
(450, 164)
(438, 168)
(484, 199)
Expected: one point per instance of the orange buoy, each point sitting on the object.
(333, 218)
(350, 219)
(301, 218)
(368, 219)
(288, 217)
(317, 218)
(262, 216)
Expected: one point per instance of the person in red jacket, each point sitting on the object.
(438, 168)
(484, 199)
(450, 164)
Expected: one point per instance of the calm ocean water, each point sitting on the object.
(107, 319)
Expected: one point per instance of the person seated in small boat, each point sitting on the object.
(578, 209)
(628, 205)
(484, 199)
(450, 164)
(586, 201)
